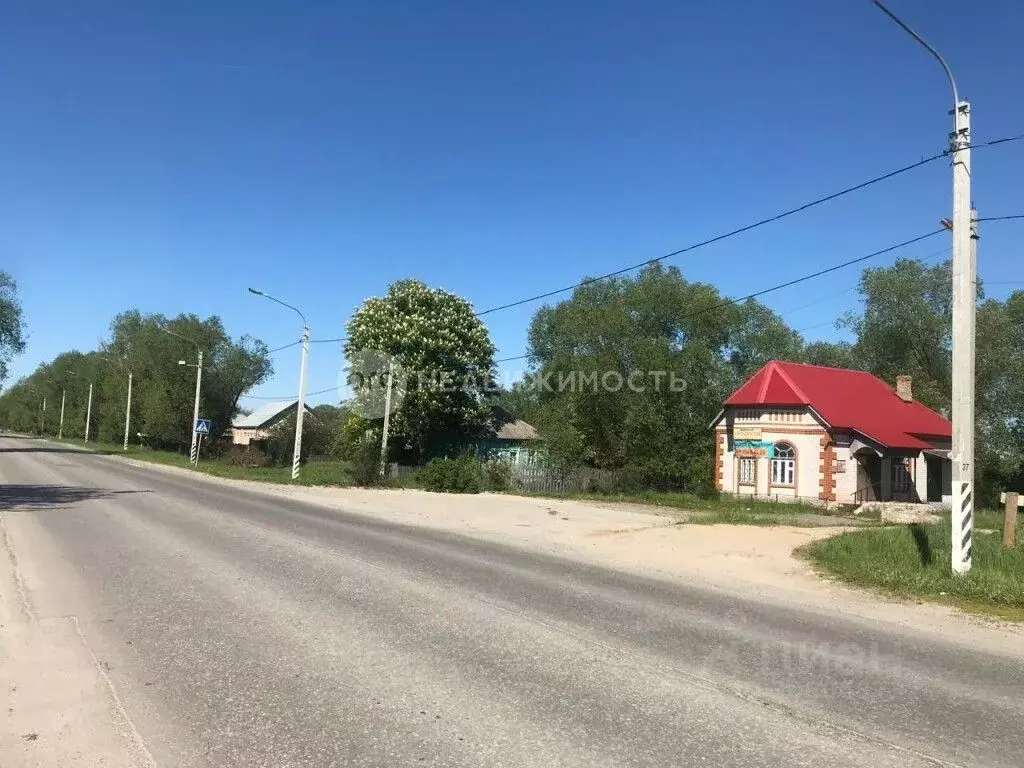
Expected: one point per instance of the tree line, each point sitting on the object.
(162, 390)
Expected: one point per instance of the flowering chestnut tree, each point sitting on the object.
(445, 356)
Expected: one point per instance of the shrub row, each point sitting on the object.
(465, 474)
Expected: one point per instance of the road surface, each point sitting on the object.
(235, 628)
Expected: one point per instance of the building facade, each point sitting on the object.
(813, 433)
(256, 426)
(511, 440)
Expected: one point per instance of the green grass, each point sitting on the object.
(914, 561)
(992, 519)
(317, 472)
(703, 510)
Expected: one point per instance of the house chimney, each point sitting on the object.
(903, 388)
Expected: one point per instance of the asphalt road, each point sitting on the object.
(241, 629)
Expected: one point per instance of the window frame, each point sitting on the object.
(783, 466)
(739, 472)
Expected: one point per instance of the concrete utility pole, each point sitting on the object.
(60, 429)
(194, 450)
(297, 452)
(42, 417)
(964, 306)
(128, 408)
(128, 411)
(88, 413)
(387, 422)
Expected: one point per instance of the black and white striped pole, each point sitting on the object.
(297, 454)
(964, 301)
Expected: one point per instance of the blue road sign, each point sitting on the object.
(202, 426)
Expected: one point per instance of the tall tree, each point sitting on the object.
(12, 339)
(999, 396)
(760, 335)
(905, 327)
(445, 355)
(630, 371)
(839, 354)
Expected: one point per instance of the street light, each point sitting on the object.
(964, 305)
(88, 409)
(128, 407)
(60, 429)
(193, 452)
(63, 396)
(297, 454)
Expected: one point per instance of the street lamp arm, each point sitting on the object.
(116, 362)
(922, 41)
(183, 338)
(296, 310)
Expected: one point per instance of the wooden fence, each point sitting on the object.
(540, 479)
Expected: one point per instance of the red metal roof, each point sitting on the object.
(845, 399)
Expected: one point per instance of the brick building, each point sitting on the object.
(798, 431)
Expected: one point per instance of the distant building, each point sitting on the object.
(830, 434)
(510, 439)
(258, 424)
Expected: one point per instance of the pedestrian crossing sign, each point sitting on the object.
(202, 426)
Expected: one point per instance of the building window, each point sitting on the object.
(783, 464)
(748, 470)
(840, 466)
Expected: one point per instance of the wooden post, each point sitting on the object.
(1012, 501)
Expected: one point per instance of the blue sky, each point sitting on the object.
(166, 156)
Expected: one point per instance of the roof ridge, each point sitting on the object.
(769, 368)
(825, 367)
(799, 392)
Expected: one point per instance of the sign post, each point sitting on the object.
(1011, 501)
(202, 428)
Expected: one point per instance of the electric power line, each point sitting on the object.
(741, 230)
(286, 346)
(812, 327)
(326, 341)
(1002, 218)
(788, 283)
(746, 228)
(290, 397)
(733, 233)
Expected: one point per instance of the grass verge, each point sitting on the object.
(913, 561)
(703, 510)
(313, 472)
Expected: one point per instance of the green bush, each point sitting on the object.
(499, 475)
(364, 462)
(244, 456)
(460, 475)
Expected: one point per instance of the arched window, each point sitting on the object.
(783, 464)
